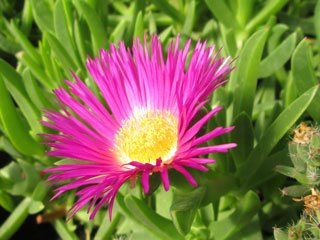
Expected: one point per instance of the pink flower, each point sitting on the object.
(145, 127)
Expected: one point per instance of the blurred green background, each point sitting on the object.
(273, 88)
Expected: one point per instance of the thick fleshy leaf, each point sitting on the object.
(275, 132)
(278, 57)
(43, 15)
(63, 29)
(104, 232)
(242, 135)
(37, 197)
(117, 35)
(275, 36)
(293, 173)
(317, 21)
(184, 207)
(35, 92)
(81, 36)
(15, 220)
(138, 226)
(61, 53)
(47, 59)
(14, 84)
(250, 232)
(138, 28)
(152, 24)
(304, 76)
(6, 201)
(37, 70)
(27, 17)
(221, 185)
(13, 126)
(280, 234)
(266, 170)
(229, 41)
(270, 8)
(9, 46)
(7, 146)
(245, 10)
(189, 20)
(245, 211)
(168, 9)
(28, 184)
(159, 225)
(138, 6)
(296, 190)
(287, 171)
(244, 78)
(98, 33)
(306, 25)
(291, 92)
(10, 174)
(24, 42)
(165, 35)
(222, 12)
(64, 232)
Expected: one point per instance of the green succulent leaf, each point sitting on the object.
(139, 29)
(63, 29)
(117, 34)
(295, 190)
(61, 53)
(43, 14)
(161, 226)
(280, 234)
(15, 220)
(184, 207)
(27, 17)
(98, 33)
(13, 126)
(104, 232)
(317, 21)
(24, 42)
(278, 57)
(189, 20)
(244, 78)
(36, 93)
(222, 12)
(243, 135)
(6, 201)
(37, 197)
(271, 7)
(29, 182)
(231, 225)
(14, 84)
(168, 9)
(304, 76)
(63, 230)
(37, 71)
(275, 132)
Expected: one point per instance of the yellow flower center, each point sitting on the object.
(147, 136)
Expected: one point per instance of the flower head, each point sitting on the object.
(145, 128)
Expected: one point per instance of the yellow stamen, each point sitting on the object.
(147, 136)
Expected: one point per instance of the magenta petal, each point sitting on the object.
(186, 174)
(196, 127)
(165, 178)
(202, 160)
(206, 150)
(214, 133)
(193, 165)
(145, 181)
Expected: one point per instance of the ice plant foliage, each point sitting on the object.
(146, 128)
